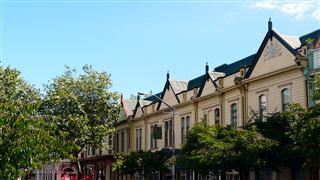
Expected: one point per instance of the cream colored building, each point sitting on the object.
(230, 94)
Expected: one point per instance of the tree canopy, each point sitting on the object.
(218, 148)
(82, 106)
(26, 139)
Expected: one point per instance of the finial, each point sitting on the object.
(269, 24)
(207, 67)
(168, 75)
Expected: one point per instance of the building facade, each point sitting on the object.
(278, 74)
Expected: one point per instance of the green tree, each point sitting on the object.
(305, 133)
(218, 148)
(145, 162)
(27, 139)
(278, 127)
(83, 107)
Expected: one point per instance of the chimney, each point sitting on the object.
(207, 67)
(269, 24)
(168, 75)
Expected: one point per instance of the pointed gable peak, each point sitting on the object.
(269, 24)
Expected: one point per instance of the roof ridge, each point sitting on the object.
(310, 33)
(289, 36)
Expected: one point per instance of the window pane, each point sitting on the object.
(182, 129)
(187, 123)
(166, 133)
(285, 98)
(262, 107)
(217, 116)
(234, 116)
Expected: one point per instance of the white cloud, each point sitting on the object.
(265, 5)
(299, 10)
(316, 15)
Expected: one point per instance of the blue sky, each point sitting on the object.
(139, 41)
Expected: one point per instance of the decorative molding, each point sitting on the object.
(272, 50)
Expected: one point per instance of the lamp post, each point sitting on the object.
(173, 172)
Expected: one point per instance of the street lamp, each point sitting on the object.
(173, 134)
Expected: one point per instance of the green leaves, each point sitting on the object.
(75, 111)
(141, 161)
(82, 106)
(26, 140)
(217, 148)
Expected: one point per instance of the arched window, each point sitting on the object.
(234, 116)
(166, 132)
(170, 133)
(205, 119)
(285, 99)
(187, 123)
(216, 116)
(262, 107)
(183, 132)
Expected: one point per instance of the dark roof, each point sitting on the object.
(152, 98)
(314, 35)
(196, 82)
(229, 69)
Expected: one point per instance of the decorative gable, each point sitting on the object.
(274, 56)
(138, 112)
(168, 97)
(208, 88)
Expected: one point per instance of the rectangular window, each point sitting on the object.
(205, 119)
(316, 59)
(153, 140)
(166, 129)
(151, 137)
(128, 138)
(216, 116)
(138, 139)
(93, 151)
(183, 132)
(285, 98)
(234, 116)
(262, 107)
(187, 123)
(168, 133)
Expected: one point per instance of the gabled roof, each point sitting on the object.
(144, 103)
(213, 76)
(196, 82)
(232, 68)
(128, 106)
(292, 40)
(152, 98)
(313, 35)
(285, 42)
(178, 86)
